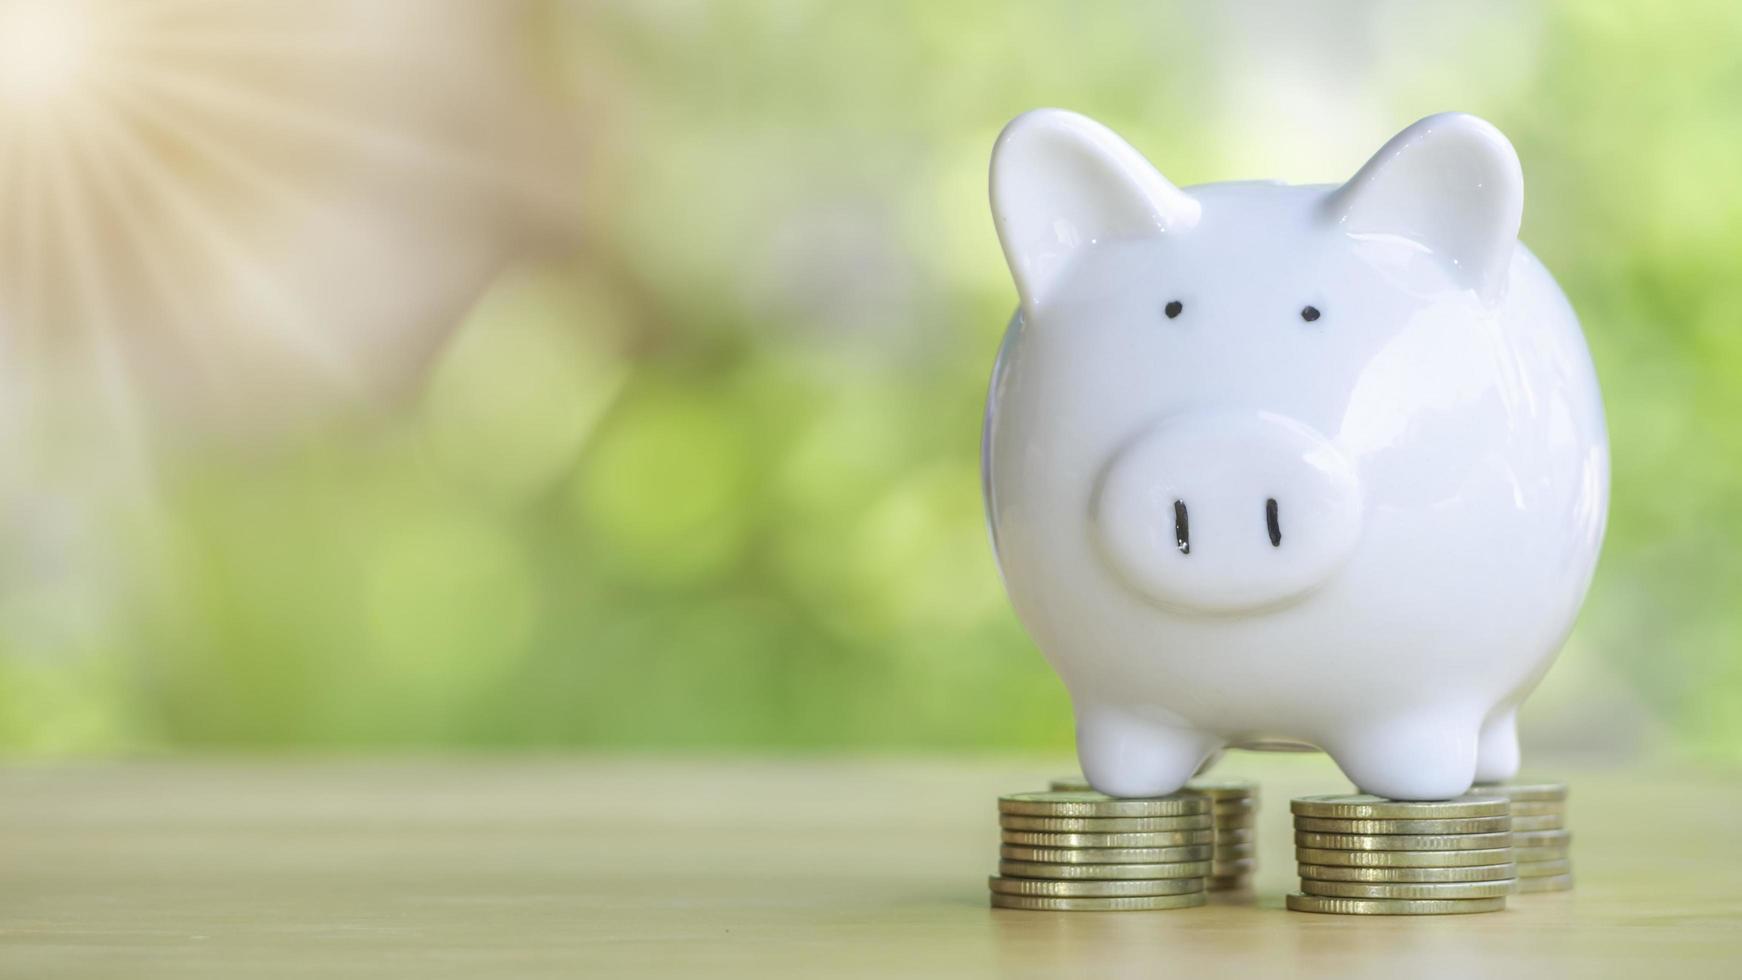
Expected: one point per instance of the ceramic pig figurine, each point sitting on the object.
(1263, 463)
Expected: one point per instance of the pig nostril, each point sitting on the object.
(1271, 521)
(1182, 529)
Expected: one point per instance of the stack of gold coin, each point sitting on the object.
(1071, 851)
(1540, 839)
(1234, 807)
(1367, 855)
(1234, 810)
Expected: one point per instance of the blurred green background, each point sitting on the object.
(688, 457)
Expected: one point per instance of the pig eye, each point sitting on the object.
(1309, 313)
(1173, 309)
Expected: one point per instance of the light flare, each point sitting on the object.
(45, 49)
(235, 213)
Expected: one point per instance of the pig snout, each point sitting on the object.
(1228, 511)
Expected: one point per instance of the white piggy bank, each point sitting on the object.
(1263, 463)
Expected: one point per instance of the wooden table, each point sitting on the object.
(805, 867)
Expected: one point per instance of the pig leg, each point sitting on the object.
(1418, 757)
(1497, 752)
(1124, 755)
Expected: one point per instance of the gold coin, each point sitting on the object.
(1364, 807)
(1233, 852)
(1542, 838)
(1524, 791)
(1233, 835)
(1227, 883)
(1242, 866)
(1480, 872)
(1544, 869)
(1233, 808)
(1403, 859)
(1105, 855)
(1245, 821)
(1069, 784)
(1549, 883)
(1126, 903)
(1529, 808)
(1032, 869)
(1223, 789)
(1497, 888)
(1538, 823)
(1104, 825)
(1166, 838)
(1392, 906)
(1095, 889)
(1536, 855)
(1091, 804)
(1402, 842)
(1468, 825)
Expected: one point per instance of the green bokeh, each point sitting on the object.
(711, 481)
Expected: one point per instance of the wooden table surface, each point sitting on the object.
(724, 868)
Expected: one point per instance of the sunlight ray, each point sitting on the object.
(217, 242)
(269, 202)
(402, 147)
(94, 311)
(286, 188)
(312, 49)
(32, 233)
(148, 245)
(141, 13)
(287, 193)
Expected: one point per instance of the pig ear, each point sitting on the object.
(1060, 182)
(1451, 183)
